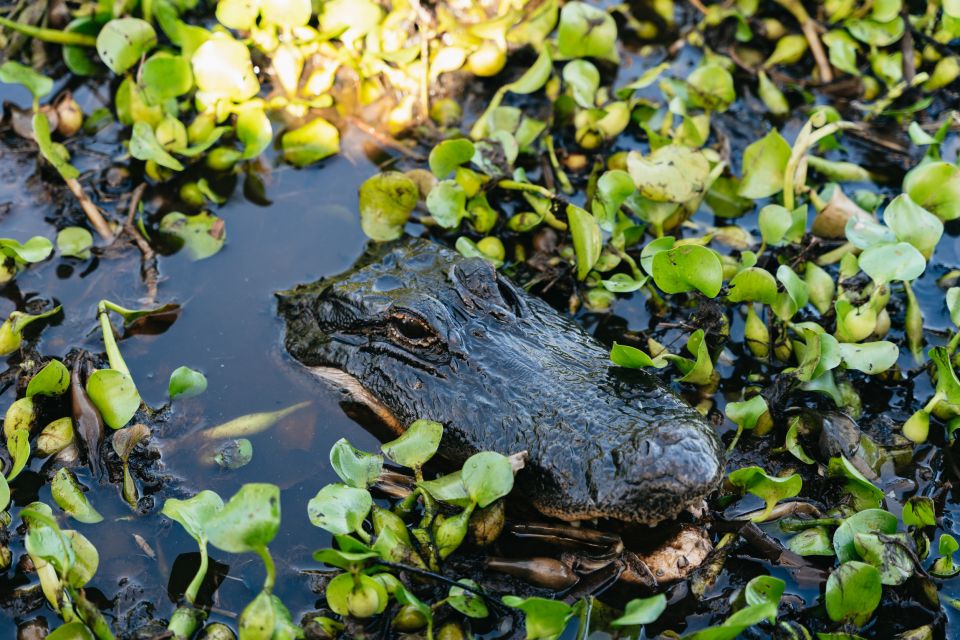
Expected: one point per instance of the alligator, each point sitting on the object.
(415, 330)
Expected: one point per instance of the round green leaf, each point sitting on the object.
(686, 268)
(867, 521)
(488, 476)
(586, 31)
(888, 262)
(356, 468)
(165, 76)
(583, 79)
(339, 509)
(853, 593)
(673, 173)
(35, 249)
(764, 163)
(450, 154)
(249, 521)
(386, 201)
(935, 186)
(543, 618)
(69, 495)
(186, 383)
(12, 72)
(466, 602)
(418, 444)
(287, 13)
(194, 514)
(447, 203)
(752, 285)
(254, 131)
(223, 71)
(870, 357)
(115, 396)
(641, 611)
(914, 224)
(122, 41)
(202, 234)
(587, 239)
(74, 242)
(310, 143)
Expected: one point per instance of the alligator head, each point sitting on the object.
(415, 330)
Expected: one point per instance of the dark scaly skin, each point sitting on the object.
(433, 335)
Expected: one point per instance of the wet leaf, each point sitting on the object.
(450, 154)
(587, 239)
(70, 497)
(287, 13)
(356, 468)
(913, 224)
(878, 34)
(20, 416)
(918, 511)
(314, 141)
(145, 146)
(711, 87)
(202, 234)
(186, 383)
(418, 444)
(71, 631)
(764, 589)
(165, 76)
(583, 79)
(891, 555)
(752, 285)
(356, 595)
(115, 396)
(889, 262)
(641, 611)
(249, 520)
(543, 619)
(812, 542)
(778, 224)
(234, 454)
(122, 41)
(623, 283)
(870, 357)
(466, 602)
(789, 50)
(853, 593)
(339, 509)
(487, 476)
(4, 493)
(686, 268)
(794, 296)
(74, 242)
(12, 72)
(53, 152)
(935, 186)
(238, 14)
(770, 489)
(448, 488)
(223, 71)
(36, 249)
(52, 380)
(613, 188)
(736, 624)
(867, 521)
(194, 514)
(386, 201)
(764, 163)
(254, 131)
(944, 566)
(447, 203)
(745, 414)
(673, 173)
(947, 383)
(586, 31)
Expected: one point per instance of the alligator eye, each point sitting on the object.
(411, 329)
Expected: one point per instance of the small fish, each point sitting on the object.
(86, 418)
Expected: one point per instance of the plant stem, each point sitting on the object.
(194, 587)
(110, 340)
(264, 554)
(54, 36)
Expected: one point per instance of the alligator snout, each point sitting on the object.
(418, 331)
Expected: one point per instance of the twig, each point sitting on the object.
(148, 262)
(92, 212)
(809, 27)
(906, 46)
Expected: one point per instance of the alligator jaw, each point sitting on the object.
(354, 391)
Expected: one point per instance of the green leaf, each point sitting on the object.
(339, 509)
(812, 542)
(356, 468)
(711, 87)
(889, 262)
(583, 80)
(587, 239)
(145, 146)
(234, 454)
(115, 396)
(688, 267)
(74, 242)
(487, 476)
(953, 304)
(53, 152)
(314, 141)
(842, 51)
(586, 31)
(386, 202)
(774, 223)
(356, 595)
(891, 555)
(913, 224)
(870, 357)
(249, 520)
(736, 624)
(623, 283)
(223, 71)
(770, 489)
(672, 173)
(764, 164)
(745, 414)
(866, 495)
(123, 41)
(762, 589)
(613, 188)
(12, 72)
(165, 76)
(67, 493)
(18, 445)
(699, 371)
(418, 444)
(641, 611)
(448, 488)
(238, 14)
(202, 234)
(52, 380)
(867, 521)
(877, 34)
(447, 203)
(918, 511)
(947, 382)
(794, 296)
(194, 514)
(186, 383)
(4, 493)
(752, 285)
(466, 602)
(71, 631)
(36, 249)
(853, 593)
(543, 619)
(287, 13)
(450, 154)
(935, 186)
